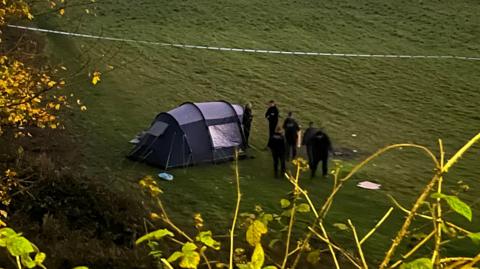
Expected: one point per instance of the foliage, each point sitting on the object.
(260, 224)
(21, 249)
(23, 101)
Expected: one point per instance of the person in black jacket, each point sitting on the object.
(291, 128)
(247, 121)
(272, 117)
(320, 146)
(308, 134)
(276, 143)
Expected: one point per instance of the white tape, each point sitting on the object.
(325, 54)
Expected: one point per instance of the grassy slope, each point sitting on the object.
(383, 101)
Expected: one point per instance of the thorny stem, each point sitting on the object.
(472, 263)
(237, 207)
(330, 246)
(339, 183)
(345, 253)
(292, 216)
(403, 231)
(437, 212)
(377, 225)
(359, 246)
(421, 198)
(413, 250)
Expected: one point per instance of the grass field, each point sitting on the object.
(382, 101)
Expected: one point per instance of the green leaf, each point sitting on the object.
(189, 247)
(284, 203)
(475, 237)
(19, 245)
(175, 256)
(40, 257)
(314, 257)
(303, 208)
(422, 263)
(341, 226)
(266, 218)
(258, 256)
(456, 204)
(270, 267)
(206, 238)
(158, 234)
(27, 261)
(7, 232)
(255, 232)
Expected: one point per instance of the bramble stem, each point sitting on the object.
(437, 212)
(330, 246)
(413, 250)
(351, 259)
(292, 215)
(359, 246)
(403, 231)
(377, 225)
(237, 207)
(459, 153)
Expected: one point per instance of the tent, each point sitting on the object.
(192, 133)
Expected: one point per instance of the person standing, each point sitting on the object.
(247, 122)
(320, 148)
(307, 136)
(276, 143)
(291, 128)
(272, 116)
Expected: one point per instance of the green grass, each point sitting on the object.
(383, 101)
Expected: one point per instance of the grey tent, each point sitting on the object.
(192, 133)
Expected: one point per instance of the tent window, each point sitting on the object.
(225, 135)
(158, 128)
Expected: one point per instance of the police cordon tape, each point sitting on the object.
(325, 54)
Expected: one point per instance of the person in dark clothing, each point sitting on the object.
(276, 143)
(320, 148)
(309, 133)
(247, 122)
(291, 128)
(272, 117)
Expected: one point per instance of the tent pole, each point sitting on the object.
(170, 151)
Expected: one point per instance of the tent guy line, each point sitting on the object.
(264, 51)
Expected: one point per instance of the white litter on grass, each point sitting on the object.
(368, 185)
(165, 176)
(134, 141)
(354, 151)
(354, 135)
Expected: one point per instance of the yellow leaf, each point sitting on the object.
(51, 83)
(61, 11)
(255, 232)
(53, 126)
(190, 260)
(57, 106)
(258, 256)
(96, 77)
